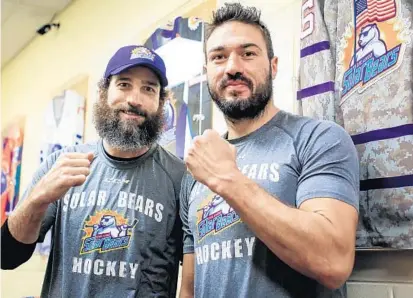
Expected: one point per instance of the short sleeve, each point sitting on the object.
(188, 238)
(330, 165)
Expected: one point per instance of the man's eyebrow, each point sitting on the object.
(243, 46)
(216, 49)
(148, 82)
(151, 83)
(123, 79)
(249, 44)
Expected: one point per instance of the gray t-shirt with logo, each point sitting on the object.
(293, 158)
(118, 234)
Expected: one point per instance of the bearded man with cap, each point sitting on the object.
(112, 204)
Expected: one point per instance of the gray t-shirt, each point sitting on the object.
(118, 234)
(294, 159)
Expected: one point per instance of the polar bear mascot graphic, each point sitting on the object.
(108, 226)
(369, 42)
(217, 204)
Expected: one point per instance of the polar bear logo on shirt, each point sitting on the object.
(369, 42)
(108, 226)
(107, 230)
(217, 204)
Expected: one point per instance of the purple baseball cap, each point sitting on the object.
(130, 56)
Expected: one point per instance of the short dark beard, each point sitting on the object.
(243, 109)
(126, 135)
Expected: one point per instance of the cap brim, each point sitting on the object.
(163, 80)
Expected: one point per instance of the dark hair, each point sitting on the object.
(103, 86)
(236, 12)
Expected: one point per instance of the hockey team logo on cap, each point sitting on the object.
(373, 45)
(143, 53)
(215, 215)
(106, 231)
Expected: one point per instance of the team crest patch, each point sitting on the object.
(373, 45)
(106, 231)
(215, 215)
(143, 53)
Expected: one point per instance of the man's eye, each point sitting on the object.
(149, 89)
(217, 57)
(250, 54)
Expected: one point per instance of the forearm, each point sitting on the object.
(306, 241)
(187, 281)
(185, 293)
(25, 221)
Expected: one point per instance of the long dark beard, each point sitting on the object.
(242, 109)
(126, 135)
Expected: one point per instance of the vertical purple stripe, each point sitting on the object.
(314, 90)
(383, 134)
(315, 48)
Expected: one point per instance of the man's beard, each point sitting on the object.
(238, 109)
(126, 135)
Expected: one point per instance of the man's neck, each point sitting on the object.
(242, 128)
(124, 154)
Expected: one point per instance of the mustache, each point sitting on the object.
(234, 78)
(131, 109)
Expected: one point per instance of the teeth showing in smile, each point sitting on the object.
(131, 113)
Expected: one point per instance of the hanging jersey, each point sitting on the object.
(188, 112)
(11, 169)
(176, 135)
(64, 123)
(367, 89)
(188, 105)
(64, 126)
(317, 95)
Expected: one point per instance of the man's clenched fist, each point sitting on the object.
(70, 169)
(211, 159)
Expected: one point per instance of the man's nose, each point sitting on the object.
(234, 65)
(134, 98)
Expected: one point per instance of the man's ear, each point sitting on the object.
(100, 93)
(274, 67)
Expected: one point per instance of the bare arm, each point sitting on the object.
(318, 239)
(25, 222)
(70, 169)
(36, 212)
(187, 284)
(15, 249)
